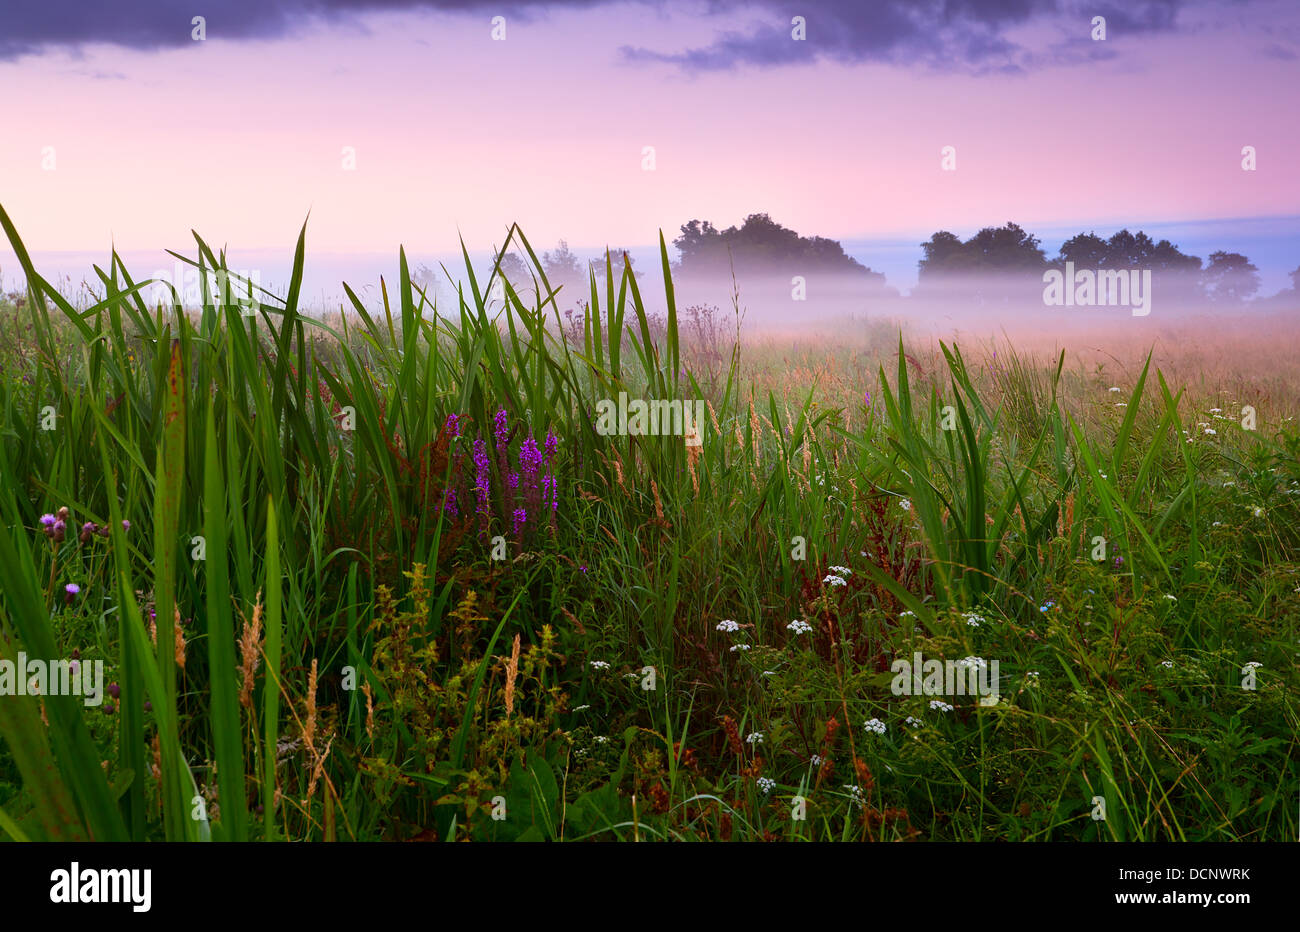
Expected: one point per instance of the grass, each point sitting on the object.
(383, 578)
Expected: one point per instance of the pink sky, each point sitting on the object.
(455, 133)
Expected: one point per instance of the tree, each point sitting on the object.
(616, 259)
(1230, 278)
(761, 246)
(562, 265)
(513, 268)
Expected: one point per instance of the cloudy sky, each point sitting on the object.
(119, 127)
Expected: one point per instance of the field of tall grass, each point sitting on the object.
(380, 577)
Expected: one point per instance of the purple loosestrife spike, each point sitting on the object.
(552, 444)
(482, 479)
(453, 425)
(450, 506)
(520, 517)
(501, 427)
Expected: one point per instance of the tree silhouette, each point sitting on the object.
(1230, 278)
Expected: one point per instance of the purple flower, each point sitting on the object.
(47, 521)
(552, 444)
(126, 525)
(501, 427)
(449, 506)
(453, 425)
(70, 592)
(60, 530)
(87, 532)
(520, 516)
(583, 568)
(866, 398)
(482, 476)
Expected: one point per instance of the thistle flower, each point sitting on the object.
(59, 531)
(47, 524)
(87, 532)
(70, 592)
(126, 525)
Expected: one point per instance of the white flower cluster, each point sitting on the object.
(855, 794)
(842, 571)
(799, 627)
(913, 722)
(973, 619)
(834, 581)
(754, 737)
(940, 705)
(874, 724)
(728, 625)
(600, 664)
(736, 647)
(766, 784)
(979, 663)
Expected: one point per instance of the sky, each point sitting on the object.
(404, 122)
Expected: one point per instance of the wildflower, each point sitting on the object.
(114, 690)
(842, 571)
(799, 627)
(1254, 664)
(551, 445)
(449, 506)
(1119, 561)
(582, 708)
(1167, 664)
(875, 725)
(907, 614)
(1046, 606)
(973, 620)
(520, 516)
(1216, 410)
(736, 647)
(501, 428)
(905, 504)
(70, 592)
(940, 705)
(913, 722)
(600, 664)
(979, 663)
(126, 525)
(583, 568)
(482, 476)
(59, 531)
(815, 760)
(1121, 404)
(1115, 389)
(1171, 598)
(452, 425)
(1211, 431)
(754, 737)
(87, 532)
(602, 739)
(855, 794)
(728, 625)
(1258, 512)
(834, 581)
(766, 784)
(47, 523)
(1033, 677)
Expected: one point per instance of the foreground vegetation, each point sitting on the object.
(380, 577)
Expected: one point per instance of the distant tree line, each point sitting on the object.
(996, 264)
(992, 258)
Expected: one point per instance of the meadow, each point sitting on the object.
(377, 576)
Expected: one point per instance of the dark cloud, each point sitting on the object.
(967, 34)
(948, 34)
